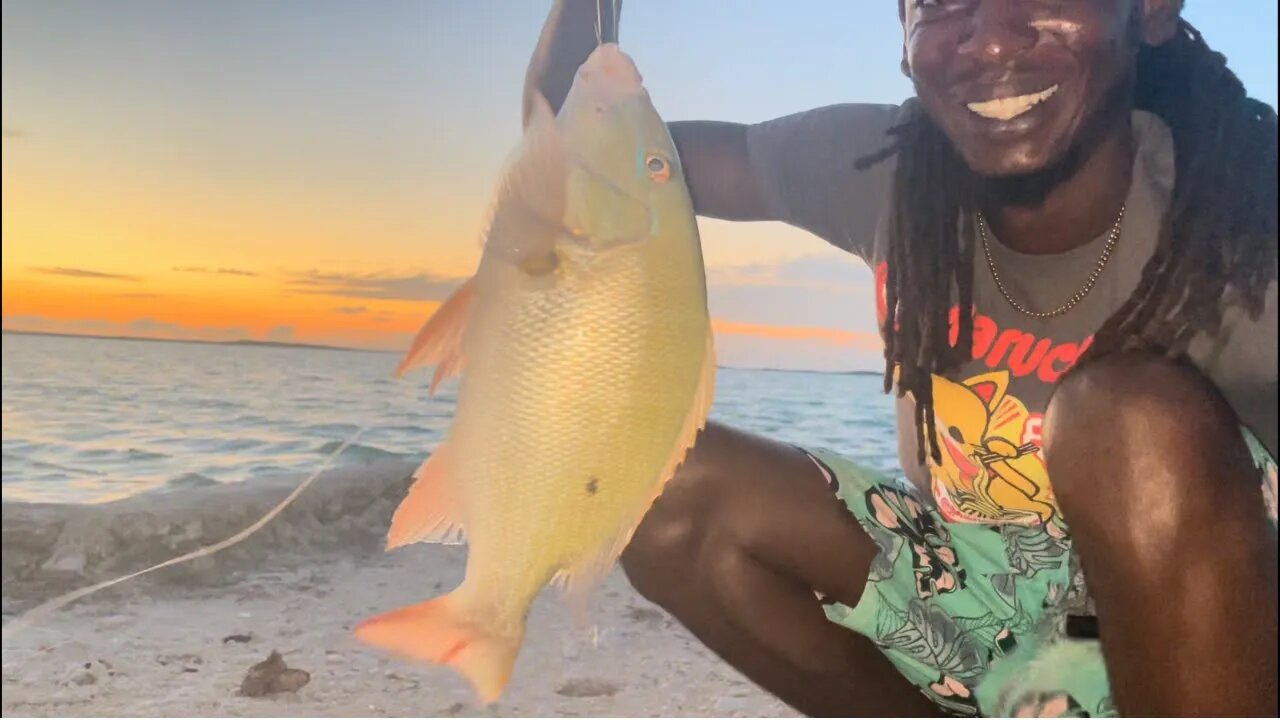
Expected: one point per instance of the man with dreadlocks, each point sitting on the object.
(1072, 227)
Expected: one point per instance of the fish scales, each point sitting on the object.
(587, 364)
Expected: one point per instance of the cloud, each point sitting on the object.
(141, 328)
(383, 286)
(77, 326)
(829, 271)
(830, 290)
(750, 351)
(864, 341)
(216, 271)
(814, 312)
(85, 274)
(351, 309)
(15, 134)
(280, 333)
(150, 327)
(140, 295)
(21, 319)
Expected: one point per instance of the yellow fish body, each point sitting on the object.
(585, 349)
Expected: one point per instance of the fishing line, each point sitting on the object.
(607, 21)
(44, 609)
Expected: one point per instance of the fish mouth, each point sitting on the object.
(609, 71)
(1010, 107)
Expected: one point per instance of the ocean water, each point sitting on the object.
(91, 420)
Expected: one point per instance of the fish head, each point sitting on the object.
(624, 174)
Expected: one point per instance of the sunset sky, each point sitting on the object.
(317, 170)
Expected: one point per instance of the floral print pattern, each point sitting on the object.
(974, 591)
(933, 558)
(975, 615)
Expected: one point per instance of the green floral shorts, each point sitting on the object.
(978, 616)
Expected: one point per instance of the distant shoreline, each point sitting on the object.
(240, 343)
(309, 346)
(876, 373)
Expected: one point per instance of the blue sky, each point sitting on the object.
(327, 136)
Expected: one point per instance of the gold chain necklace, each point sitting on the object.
(1079, 295)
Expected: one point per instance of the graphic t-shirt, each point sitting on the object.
(990, 411)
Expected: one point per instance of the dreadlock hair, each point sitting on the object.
(1217, 241)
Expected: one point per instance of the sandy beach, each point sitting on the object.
(180, 642)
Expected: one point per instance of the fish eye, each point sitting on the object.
(658, 167)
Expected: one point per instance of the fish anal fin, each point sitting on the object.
(439, 342)
(438, 631)
(430, 512)
(582, 578)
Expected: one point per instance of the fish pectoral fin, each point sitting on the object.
(582, 578)
(430, 512)
(528, 211)
(439, 342)
(436, 631)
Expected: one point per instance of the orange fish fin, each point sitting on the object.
(430, 512)
(527, 216)
(437, 631)
(581, 580)
(439, 342)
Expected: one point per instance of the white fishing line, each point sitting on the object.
(46, 608)
(607, 27)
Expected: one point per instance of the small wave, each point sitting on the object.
(258, 471)
(328, 428)
(248, 420)
(33, 464)
(424, 429)
(357, 453)
(187, 481)
(90, 433)
(93, 453)
(214, 404)
(222, 445)
(136, 454)
(286, 447)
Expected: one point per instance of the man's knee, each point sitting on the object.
(663, 553)
(1132, 430)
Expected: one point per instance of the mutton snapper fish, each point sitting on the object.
(587, 364)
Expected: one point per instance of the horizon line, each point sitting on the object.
(317, 346)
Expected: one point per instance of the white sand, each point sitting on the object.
(156, 647)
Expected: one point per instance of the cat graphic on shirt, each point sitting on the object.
(991, 468)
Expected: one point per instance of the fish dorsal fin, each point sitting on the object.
(526, 219)
(582, 578)
(439, 342)
(529, 206)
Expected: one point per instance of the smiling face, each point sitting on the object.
(1017, 84)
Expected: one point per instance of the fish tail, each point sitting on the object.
(436, 631)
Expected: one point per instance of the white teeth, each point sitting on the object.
(1010, 107)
